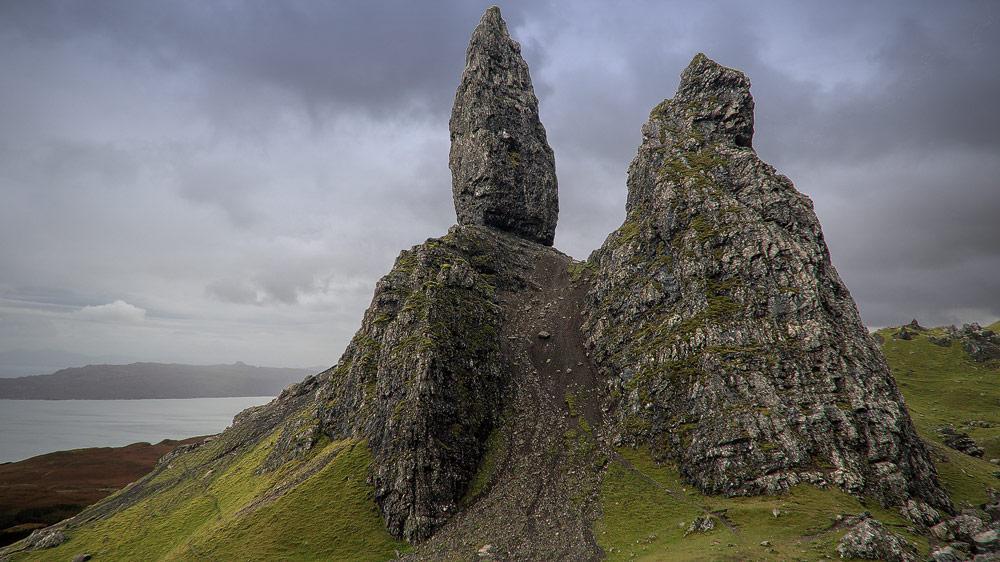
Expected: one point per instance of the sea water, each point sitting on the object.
(34, 427)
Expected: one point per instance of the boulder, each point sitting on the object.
(870, 540)
(960, 441)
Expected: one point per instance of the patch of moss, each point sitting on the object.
(579, 269)
(496, 448)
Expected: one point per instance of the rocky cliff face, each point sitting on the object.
(423, 380)
(732, 345)
(503, 171)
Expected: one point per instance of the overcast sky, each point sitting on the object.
(219, 181)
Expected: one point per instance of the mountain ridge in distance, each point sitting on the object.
(145, 380)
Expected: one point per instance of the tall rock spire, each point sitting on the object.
(503, 171)
(731, 344)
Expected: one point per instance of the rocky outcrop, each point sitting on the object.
(981, 344)
(731, 343)
(503, 171)
(868, 539)
(960, 441)
(423, 379)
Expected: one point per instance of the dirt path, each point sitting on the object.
(541, 501)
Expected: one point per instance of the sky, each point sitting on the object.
(210, 182)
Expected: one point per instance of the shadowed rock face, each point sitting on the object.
(732, 344)
(503, 171)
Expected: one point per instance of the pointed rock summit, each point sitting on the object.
(503, 171)
(731, 344)
(715, 101)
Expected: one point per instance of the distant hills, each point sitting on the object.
(24, 362)
(151, 380)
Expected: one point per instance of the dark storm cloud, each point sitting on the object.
(217, 181)
(369, 55)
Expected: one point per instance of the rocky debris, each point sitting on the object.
(486, 551)
(701, 524)
(45, 538)
(947, 554)
(870, 540)
(961, 527)
(903, 334)
(503, 171)
(915, 326)
(81, 558)
(960, 441)
(543, 335)
(542, 498)
(942, 341)
(992, 510)
(981, 344)
(986, 541)
(920, 513)
(731, 345)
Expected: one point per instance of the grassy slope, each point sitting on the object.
(647, 510)
(941, 386)
(331, 515)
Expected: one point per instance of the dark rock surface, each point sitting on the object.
(503, 171)
(732, 345)
(960, 441)
(981, 344)
(423, 379)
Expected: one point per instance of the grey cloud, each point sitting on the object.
(246, 172)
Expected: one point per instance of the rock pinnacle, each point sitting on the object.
(503, 171)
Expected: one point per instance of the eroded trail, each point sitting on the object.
(540, 501)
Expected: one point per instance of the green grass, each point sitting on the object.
(331, 515)
(647, 509)
(941, 385)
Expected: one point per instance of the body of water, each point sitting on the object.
(34, 427)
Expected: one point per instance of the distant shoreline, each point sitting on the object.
(153, 381)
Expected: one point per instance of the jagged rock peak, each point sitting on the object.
(503, 171)
(731, 344)
(715, 101)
